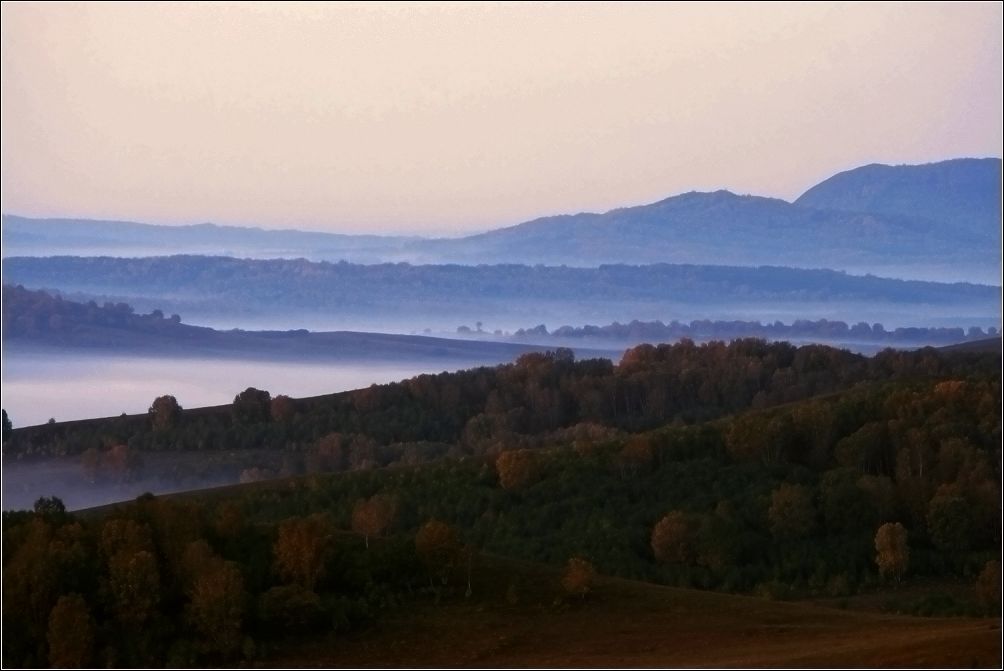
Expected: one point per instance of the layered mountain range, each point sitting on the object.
(934, 221)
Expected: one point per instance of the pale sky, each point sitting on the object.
(447, 118)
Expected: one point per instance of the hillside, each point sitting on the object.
(625, 623)
(962, 195)
(750, 468)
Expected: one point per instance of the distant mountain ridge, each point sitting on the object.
(937, 221)
(952, 192)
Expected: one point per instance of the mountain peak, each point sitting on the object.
(958, 192)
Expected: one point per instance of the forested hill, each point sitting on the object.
(33, 319)
(752, 467)
(220, 286)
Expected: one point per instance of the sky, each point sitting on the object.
(442, 119)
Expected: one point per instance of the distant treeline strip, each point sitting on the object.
(823, 329)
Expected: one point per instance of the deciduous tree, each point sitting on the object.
(516, 468)
(303, 547)
(71, 633)
(438, 548)
(252, 406)
(791, 513)
(165, 412)
(217, 606)
(579, 577)
(893, 552)
(671, 538)
(371, 517)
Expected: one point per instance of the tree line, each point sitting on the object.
(820, 329)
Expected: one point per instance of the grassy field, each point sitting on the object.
(518, 617)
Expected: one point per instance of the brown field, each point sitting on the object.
(633, 624)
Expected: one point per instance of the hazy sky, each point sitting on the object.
(446, 118)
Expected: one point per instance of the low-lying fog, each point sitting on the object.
(36, 388)
(72, 386)
(493, 315)
(25, 482)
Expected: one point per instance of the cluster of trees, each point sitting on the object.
(30, 313)
(706, 329)
(187, 584)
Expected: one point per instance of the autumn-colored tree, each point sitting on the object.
(893, 552)
(134, 581)
(71, 633)
(217, 606)
(517, 468)
(229, 520)
(637, 455)
(372, 516)
(672, 538)
(303, 547)
(579, 577)
(328, 453)
(118, 535)
(791, 513)
(988, 584)
(119, 461)
(30, 582)
(283, 408)
(438, 548)
(197, 559)
(165, 412)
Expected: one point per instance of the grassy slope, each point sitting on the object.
(633, 624)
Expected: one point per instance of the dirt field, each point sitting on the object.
(632, 624)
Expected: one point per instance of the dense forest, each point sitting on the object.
(750, 467)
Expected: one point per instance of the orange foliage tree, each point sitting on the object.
(893, 552)
(71, 633)
(579, 577)
(302, 549)
(672, 538)
(438, 548)
(516, 468)
(372, 516)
